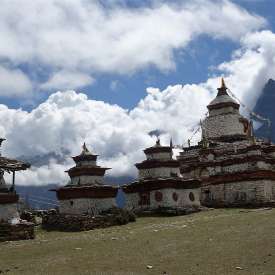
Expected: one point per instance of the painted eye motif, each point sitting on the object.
(191, 196)
(175, 196)
(158, 196)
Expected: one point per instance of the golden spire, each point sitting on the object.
(223, 89)
(223, 86)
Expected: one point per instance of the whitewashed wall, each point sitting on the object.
(160, 156)
(160, 172)
(261, 191)
(132, 199)
(8, 212)
(87, 180)
(86, 206)
(183, 198)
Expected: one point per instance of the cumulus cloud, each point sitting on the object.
(79, 38)
(66, 119)
(251, 66)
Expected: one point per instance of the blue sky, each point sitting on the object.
(194, 64)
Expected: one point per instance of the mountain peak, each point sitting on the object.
(265, 107)
(270, 82)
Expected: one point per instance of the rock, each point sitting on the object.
(27, 216)
(20, 231)
(72, 223)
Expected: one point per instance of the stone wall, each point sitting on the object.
(159, 155)
(14, 232)
(71, 223)
(245, 193)
(164, 199)
(87, 180)
(86, 206)
(223, 125)
(160, 172)
(8, 212)
(132, 201)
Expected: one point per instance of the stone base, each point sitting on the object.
(167, 211)
(73, 223)
(15, 232)
(251, 205)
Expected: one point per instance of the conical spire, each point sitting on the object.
(85, 150)
(223, 83)
(222, 89)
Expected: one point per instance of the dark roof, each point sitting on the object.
(13, 164)
(7, 198)
(223, 99)
(154, 163)
(85, 155)
(161, 183)
(87, 170)
(104, 191)
(158, 148)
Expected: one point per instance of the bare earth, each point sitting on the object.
(231, 241)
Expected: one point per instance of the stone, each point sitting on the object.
(71, 223)
(20, 231)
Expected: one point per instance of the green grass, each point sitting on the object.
(212, 242)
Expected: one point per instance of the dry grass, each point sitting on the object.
(212, 242)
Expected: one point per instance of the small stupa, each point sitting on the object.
(160, 187)
(86, 193)
(11, 226)
(235, 167)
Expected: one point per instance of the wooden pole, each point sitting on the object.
(13, 180)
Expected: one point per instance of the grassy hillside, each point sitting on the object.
(214, 242)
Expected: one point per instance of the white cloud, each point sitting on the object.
(84, 38)
(13, 82)
(66, 119)
(66, 80)
(252, 65)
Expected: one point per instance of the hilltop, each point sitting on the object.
(224, 241)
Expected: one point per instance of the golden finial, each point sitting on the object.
(84, 147)
(158, 142)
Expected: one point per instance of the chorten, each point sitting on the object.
(11, 226)
(159, 187)
(224, 122)
(235, 167)
(86, 192)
